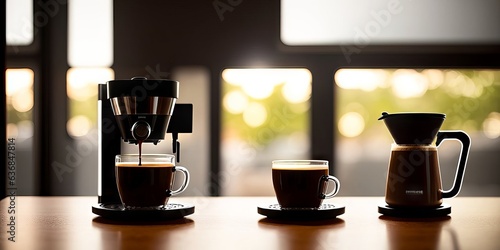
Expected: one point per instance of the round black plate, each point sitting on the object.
(442, 210)
(326, 211)
(171, 211)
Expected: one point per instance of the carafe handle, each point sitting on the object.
(464, 154)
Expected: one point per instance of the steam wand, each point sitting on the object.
(176, 146)
(180, 122)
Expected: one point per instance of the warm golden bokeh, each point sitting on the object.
(81, 87)
(464, 95)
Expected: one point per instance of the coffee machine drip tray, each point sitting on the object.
(440, 211)
(171, 211)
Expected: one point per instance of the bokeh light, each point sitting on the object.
(25, 129)
(435, 77)
(297, 88)
(260, 83)
(458, 84)
(78, 126)
(255, 114)
(235, 102)
(18, 80)
(81, 87)
(258, 89)
(256, 83)
(361, 79)
(233, 76)
(12, 131)
(351, 124)
(82, 82)
(491, 125)
(22, 130)
(408, 83)
(22, 101)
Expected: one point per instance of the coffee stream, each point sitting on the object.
(140, 152)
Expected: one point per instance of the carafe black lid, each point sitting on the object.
(413, 128)
(418, 115)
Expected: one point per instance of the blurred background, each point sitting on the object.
(268, 80)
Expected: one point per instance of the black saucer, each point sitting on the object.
(326, 211)
(440, 211)
(171, 211)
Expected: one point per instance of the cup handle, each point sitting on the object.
(324, 180)
(463, 138)
(184, 184)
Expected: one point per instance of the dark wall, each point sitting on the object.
(192, 32)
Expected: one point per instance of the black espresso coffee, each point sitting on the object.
(414, 179)
(147, 185)
(299, 187)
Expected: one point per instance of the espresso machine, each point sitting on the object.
(137, 111)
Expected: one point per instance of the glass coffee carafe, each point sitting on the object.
(414, 178)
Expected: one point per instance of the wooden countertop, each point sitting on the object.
(233, 223)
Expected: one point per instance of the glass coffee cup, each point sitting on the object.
(302, 184)
(148, 185)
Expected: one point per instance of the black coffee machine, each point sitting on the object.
(137, 111)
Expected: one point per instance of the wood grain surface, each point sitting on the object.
(65, 223)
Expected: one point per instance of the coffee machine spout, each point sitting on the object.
(141, 130)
